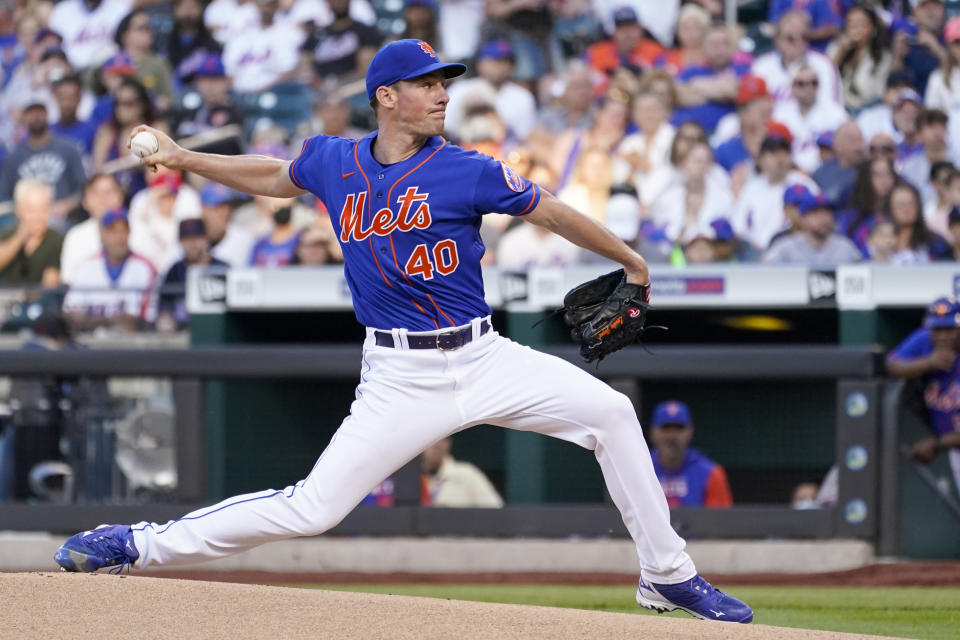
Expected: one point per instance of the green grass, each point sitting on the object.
(910, 612)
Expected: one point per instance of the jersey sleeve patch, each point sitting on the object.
(514, 180)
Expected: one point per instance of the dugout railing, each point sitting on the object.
(854, 372)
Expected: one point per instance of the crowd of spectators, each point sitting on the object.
(825, 134)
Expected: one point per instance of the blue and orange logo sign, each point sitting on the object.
(513, 179)
(427, 49)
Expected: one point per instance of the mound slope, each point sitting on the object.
(65, 605)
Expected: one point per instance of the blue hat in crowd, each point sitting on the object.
(115, 215)
(210, 66)
(814, 202)
(430, 4)
(214, 193)
(795, 194)
(192, 228)
(625, 15)
(825, 140)
(406, 59)
(944, 313)
(496, 50)
(723, 230)
(671, 412)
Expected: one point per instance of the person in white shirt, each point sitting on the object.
(879, 117)
(155, 215)
(528, 245)
(778, 67)
(228, 20)
(514, 104)
(862, 57)
(943, 86)
(932, 134)
(115, 287)
(807, 118)
(687, 134)
(102, 193)
(946, 182)
(452, 483)
(265, 55)
(759, 214)
(642, 153)
(88, 28)
(693, 200)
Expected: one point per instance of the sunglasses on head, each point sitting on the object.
(882, 148)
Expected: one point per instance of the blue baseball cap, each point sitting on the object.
(214, 193)
(406, 59)
(210, 66)
(723, 230)
(625, 15)
(671, 412)
(814, 202)
(192, 228)
(943, 313)
(116, 215)
(825, 140)
(496, 50)
(795, 194)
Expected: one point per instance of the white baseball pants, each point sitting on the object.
(408, 399)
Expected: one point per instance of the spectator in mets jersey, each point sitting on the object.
(688, 478)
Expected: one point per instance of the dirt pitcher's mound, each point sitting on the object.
(65, 605)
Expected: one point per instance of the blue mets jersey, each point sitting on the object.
(410, 231)
(941, 389)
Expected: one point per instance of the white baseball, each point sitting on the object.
(144, 144)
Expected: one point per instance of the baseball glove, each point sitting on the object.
(606, 314)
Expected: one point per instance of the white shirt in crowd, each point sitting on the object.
(514, 104)
(660, 179)
(523, 247)
(659, 17)
(878, 119)
(460, 22)
(259, 59)
(657, 153)
(82, 241)
(88, 35)
(759, 215)
(155, 236)
(228, 20)
(461, 484)
(96, 294)
(936, 217)
(669, 211)
(822, 118)
(939, 95)
(779, 78)
(318, 12)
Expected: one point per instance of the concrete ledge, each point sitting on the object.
(34, 551)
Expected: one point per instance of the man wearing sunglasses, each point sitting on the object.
(806, 118)
(792, 51)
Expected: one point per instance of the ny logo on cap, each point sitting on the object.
(427, 49)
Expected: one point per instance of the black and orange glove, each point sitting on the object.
(606, 314)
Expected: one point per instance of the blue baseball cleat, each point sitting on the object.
(697, 597)
(109, 545)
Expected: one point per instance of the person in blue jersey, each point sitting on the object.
(407, 206)
(931, 354)
(688, 478)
